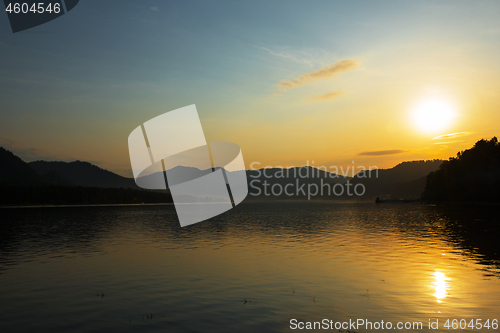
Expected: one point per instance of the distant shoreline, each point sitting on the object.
(87, 205)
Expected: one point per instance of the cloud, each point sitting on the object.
(382, 152)
(325, 97)
(288, 56)
(324, 73)
(451, 136)
(154, 9)
(446, 142)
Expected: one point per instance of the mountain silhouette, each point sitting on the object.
(62, 183)
(405, 180)
(80, 173)
(14, 171)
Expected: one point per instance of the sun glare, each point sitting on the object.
(440, 286)
(433, 115)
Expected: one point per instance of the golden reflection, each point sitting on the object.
(441, 286)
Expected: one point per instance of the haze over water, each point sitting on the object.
(252, 269)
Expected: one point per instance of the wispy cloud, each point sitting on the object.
(324, 73)
(451, 136)
(289, 56)
(154, 9)
(325, 97)
(446, 142)
(382, 152)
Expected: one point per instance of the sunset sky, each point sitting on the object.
(332, 82)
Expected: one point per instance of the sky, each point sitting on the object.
(324, 83)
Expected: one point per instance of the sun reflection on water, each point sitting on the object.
(440, 286)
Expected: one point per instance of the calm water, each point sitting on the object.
(250, 270)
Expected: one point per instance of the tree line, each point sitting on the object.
(472, 176)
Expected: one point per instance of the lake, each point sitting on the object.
(252, 269)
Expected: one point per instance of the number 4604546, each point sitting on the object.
(37, 8)
(472, 324)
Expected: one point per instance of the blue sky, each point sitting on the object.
(74, 88)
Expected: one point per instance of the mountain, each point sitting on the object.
(80, 173)
(405, 180)
(179, 173)
(61, 183)
(14, 171)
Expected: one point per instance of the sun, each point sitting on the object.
(433, 115)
